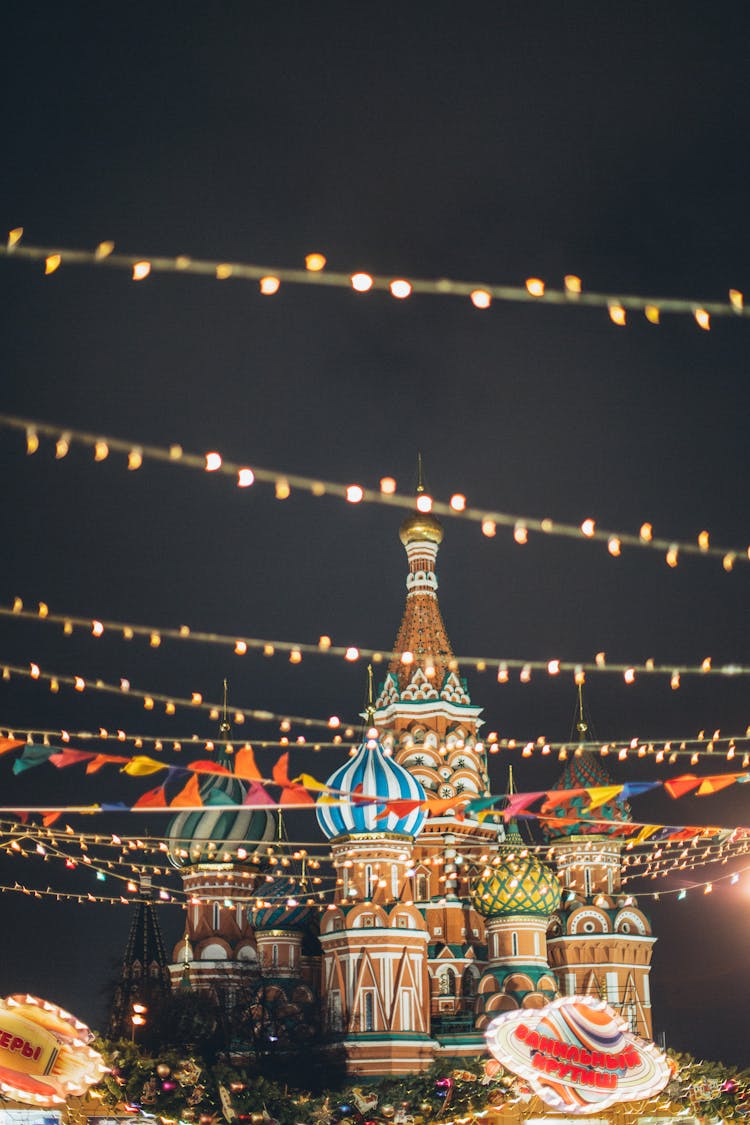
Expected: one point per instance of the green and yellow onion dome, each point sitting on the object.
(282, 907)
(223, 831)
(517, 886)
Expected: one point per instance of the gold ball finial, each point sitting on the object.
(420, 526)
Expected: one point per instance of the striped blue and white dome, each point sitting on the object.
(375, 774)
(221, 831)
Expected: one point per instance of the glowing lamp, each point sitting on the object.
(521, 534)
(400, 289)
(315, 262)
(51, 263)
(489, 528)
(702, 319)
(424, 502)
(354, 493)
(361, 282)
(588, 527)
(141, 270)
(245, 478)
(458, 502)
(269, 286)
(617, 315)
(535, 286)
(480, 299)
(213, 462)
(135, 459)
(572, 284)
(351, 654)
(387, 485)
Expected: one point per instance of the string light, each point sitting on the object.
(534, 289)
(386, 494)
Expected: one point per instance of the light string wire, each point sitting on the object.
(458, 508)
(241, 644)
(270, 279)
(663, 749)
(150, 699)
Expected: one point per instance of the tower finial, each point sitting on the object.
(225, 726)
(420, 475)
(370, 708)
(581, 726)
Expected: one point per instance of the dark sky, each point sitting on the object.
(481, 141)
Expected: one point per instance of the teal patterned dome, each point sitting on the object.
(584, 771)
(222, 832)
(517, 886)
(284, 907)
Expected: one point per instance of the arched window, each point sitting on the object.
(369, 1014)
(368, 880)
(587, 880)
(447, 982)
(394, 881)
(514, 944)
(422, 887)
(216, 916)
(469, 982)
(274, 955)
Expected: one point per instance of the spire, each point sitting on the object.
(370, 708)
(225, 730)
(581, 726)
(422, 630)
(144, 977)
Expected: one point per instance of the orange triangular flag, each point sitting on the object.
(718, 782)
(244, 765)
(154, 799)
(7, 744)
(280, 772)
(104, 760)
(189, 797)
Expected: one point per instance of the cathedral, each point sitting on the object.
(438, 923)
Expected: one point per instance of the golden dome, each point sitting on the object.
(517, 886)
(420, 526)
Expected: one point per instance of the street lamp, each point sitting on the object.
(137, 1018)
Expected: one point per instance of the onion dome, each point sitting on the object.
(282, 909)
(517, 886)
(421, 526)
(223, 832)
(375, 774)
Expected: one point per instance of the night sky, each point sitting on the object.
(485, 142)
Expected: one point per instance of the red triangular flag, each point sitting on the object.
(189, 797)
(154, 799)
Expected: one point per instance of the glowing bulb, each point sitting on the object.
(245, 477)
(213, 462)
(525, 674)
(387, 485)
(672, 556)
(148, 703)
(51, 263)
(614, 546)
(407, 657)
(351, 654)
(535, 286)
(617, 315)
(361, 282)
(141, 270)
(736, 299)
(283, 491)
(295, 656)
(34, 671)
(458, 502)
(629, 675)
(652, 314)
(269, 286)
(154, 640)
(674, 681)
(101, 451)
(502, 674)
(97, 628)
(553, 667)
(400, 289)
(424, 502)
(702, 319)
(240, 648)
(489, 528)
(580, 676)
(480, 299)
(103, 250)
(354, 493)
(135, 459)
(315, 262)
(62, 446)
(43, 609)
(14, 237)
(32, 441)
(124, 685)
(521, 534)
(646, 533)
(79, 684)
(706, 665)
(334, 722)
(588, 527)
(572, 284)
(324, 643)
(704, 540)
(223, 271)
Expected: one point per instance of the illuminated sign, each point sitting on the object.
(577, 1054)
(45, 1055)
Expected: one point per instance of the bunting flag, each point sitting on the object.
(517, 802)
(679, 786)
(141, 766)
(189, 796)
(153, 799)
(557, 797)
(256, 795)
(438, 805)
(68, 757)
(207, 766)
(33, 755)
(7, 744)
(718, 782)
(291, 792)
(635, 788)
(100, 760)
(399, 808)
(244, 765)
(601, 794)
